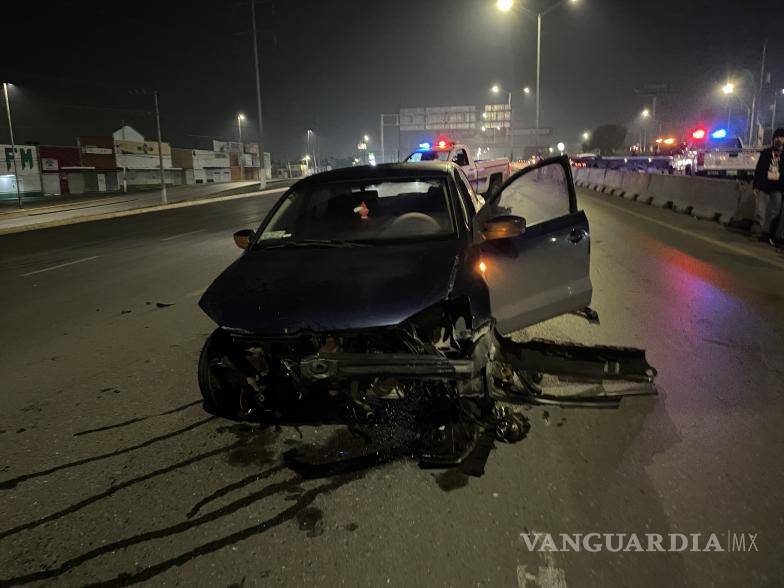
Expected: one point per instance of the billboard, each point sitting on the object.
(438, 118)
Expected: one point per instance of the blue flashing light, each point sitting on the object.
(424, 145)
(719, 134)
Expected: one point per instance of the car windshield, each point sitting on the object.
(361, 211)
(431, 155)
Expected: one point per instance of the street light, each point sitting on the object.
(728, 88)
(586, 135)
(506, 6)
(313, 151)
(645, 113)
(13, 144)
(240, 118)
(527, 90)
(561, 147)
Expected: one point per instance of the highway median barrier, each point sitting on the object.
(705, 198)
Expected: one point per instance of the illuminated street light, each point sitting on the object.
(645, 113)
(504, 5)
(728, 88)
(527, 90)
(561, 147)
(495, 88)
(365, 138)
(484, 128)
(240, 118)
(586, 135)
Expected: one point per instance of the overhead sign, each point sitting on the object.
(543, 131)
(438, 118)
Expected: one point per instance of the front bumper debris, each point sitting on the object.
(341, 366)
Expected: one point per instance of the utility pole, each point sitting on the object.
(759, 94)
(125, 169)
(242, 150)
(13, 145)
(262, 169)
(538, 74)
(164, 200)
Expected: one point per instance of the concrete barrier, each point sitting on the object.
(706, 198)
(613, 180)
(596, 176)
(635, 186)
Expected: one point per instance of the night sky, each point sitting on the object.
(334, 65)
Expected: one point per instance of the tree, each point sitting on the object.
(608, 139)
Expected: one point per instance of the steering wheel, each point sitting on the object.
(416, 216)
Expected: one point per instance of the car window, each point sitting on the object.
(540, 195)
(365, 211)
(460, 157)
(467, 193)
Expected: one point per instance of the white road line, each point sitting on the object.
(54, 267)
(716, 242)
(182, 235)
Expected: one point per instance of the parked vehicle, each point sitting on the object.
(485, 175)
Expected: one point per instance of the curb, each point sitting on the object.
(134, 211)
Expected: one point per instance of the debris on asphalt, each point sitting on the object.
(125, 311)
(164, 304)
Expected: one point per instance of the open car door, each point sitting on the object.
(535, 246)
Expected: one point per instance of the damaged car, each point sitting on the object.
(379, 292)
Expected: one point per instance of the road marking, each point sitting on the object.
(182, 235)
(54, 267)
(716, 242)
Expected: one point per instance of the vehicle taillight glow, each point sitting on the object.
(482, 267)
(699, 134)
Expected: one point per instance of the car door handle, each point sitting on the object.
(577, 235)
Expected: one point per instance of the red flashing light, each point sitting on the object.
(699, 134)
(441, 144)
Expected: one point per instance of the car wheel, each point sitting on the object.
(219, 381)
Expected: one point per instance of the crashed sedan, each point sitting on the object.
(372, 288)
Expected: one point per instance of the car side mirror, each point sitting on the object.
(243, 238)
(503, 227)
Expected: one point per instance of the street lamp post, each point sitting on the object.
(240, 118)
(13, 144)
(645, 114)
(495, 89)
(506, 6)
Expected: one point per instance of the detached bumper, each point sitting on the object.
(341, 366)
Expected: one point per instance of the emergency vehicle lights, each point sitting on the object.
(441, 144)
(424, 145)
(719, 134)
(699, 134)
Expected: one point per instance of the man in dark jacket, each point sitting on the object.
(768, 189)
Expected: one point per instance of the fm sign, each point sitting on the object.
(26, 158)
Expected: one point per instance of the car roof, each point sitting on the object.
(383, 171)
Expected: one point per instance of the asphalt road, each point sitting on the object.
(111, 473)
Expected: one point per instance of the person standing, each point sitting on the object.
(768, 189)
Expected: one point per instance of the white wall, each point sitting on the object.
(26, 157)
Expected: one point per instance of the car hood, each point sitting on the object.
(282, 291)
